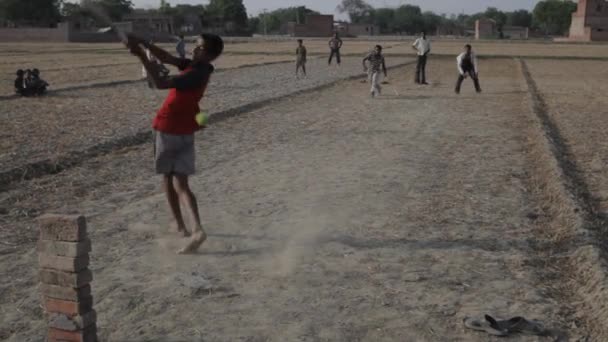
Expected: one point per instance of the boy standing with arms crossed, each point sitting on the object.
(175, 123)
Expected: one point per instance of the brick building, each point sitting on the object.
(590, 21)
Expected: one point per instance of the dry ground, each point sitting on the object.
(332, 217)
(576, 97)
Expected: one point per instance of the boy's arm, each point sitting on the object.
(160, 54)
(151, 68)
(384, 67)
(364, 60)
(458, 63)
(340, 42)
(475, 64)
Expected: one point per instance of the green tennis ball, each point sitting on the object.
(202, 118)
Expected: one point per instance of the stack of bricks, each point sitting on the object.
(63, 254)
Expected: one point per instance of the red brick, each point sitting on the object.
(66, 279)
(63, 263)
(67, 249)
(87, 335)
(67, 293)
(70, 308)
(62, 227)
(72, 323)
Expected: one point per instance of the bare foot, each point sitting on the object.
(175, 228)
(196, 241)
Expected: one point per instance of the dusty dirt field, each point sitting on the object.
(579, 106)
(332, 217)
(81, 118)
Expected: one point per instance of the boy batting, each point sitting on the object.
(175, 124)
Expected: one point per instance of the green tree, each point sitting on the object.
(553, 16)
(431, 21)
(519, 18)
(498, 16)
(222, 12)
(359, 11)
(385, 19)
(409, 19)
(31, 12)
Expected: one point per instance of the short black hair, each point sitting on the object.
(379, 47)
(181, 36)
(300, 41)
(213, 44)
(20, 72)
(468, 47)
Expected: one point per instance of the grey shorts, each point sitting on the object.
(174, 154)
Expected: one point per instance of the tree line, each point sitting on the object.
(552, 17)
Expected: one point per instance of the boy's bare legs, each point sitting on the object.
(173, 198)
(186, 196)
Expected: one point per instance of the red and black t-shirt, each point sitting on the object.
(177, 114)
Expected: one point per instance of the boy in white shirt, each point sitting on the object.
(467, 65)
(423, 48)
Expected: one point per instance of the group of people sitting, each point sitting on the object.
(29, 83)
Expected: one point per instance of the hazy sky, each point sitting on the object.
(329, 6)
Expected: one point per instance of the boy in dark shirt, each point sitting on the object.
(175, 123)
(467, 65)
(301, 58)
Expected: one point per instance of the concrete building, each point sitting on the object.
(315, 25)
(362, 30)
(485, 29)
(150, 22)
(590, 21)
(515, 32)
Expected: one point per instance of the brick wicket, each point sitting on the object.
(65, 279)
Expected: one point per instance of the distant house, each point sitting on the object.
(150, 23)
(515, 32)
(191, 25)
(485, 29)
(590, 21)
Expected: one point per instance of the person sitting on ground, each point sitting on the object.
(467, 65)
(38, 85)
(20, 83)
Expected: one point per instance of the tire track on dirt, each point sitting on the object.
(573, 222)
